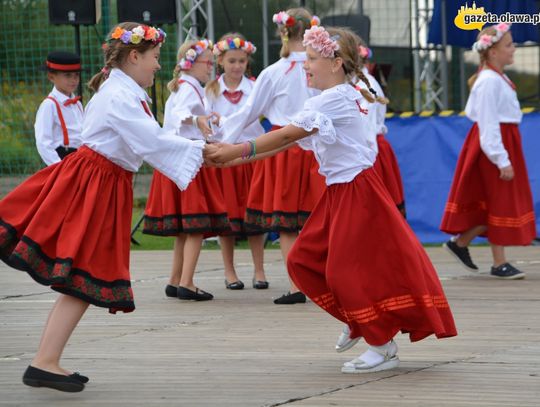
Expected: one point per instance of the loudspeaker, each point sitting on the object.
(85, 12)
(153, 12)
(360, 24)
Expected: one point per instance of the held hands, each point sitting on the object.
(507, 173)
(221, 154)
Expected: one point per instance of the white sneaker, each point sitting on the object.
(345, 342)
(375, 359)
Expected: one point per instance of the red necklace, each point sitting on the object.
(505, 78)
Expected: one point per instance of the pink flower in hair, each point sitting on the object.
(319, 39)
(485, 39)
(502, 27)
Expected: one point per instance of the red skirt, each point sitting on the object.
(359, 260)
(387, 167)
(235, 183)
(284, 190)
(68, 226)
(479, 197)
(199, 209)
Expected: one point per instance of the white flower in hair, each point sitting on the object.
(138, 31)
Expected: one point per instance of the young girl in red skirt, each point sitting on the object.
(386, 164)
(490, 194)
(68, 226)
(200, 210)
(377, 286)
(286, 187)
(226, 95)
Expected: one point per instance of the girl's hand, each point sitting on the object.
(215, 117)
(202, 123)
(222, 153)
(507, 173)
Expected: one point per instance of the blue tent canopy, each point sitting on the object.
(462, 38)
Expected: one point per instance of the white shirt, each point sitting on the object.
(279, 93)
(116, 126)
(225, 108)
(377, 110)
(48, 130)
(187, 101)
(493, 101)
(344, 143)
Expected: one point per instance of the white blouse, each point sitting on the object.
(378, 110)
(344, 142)
(493, 101)
(48, 130)
(226, 108)
(187, 101)
(279, 93)
(116, 126)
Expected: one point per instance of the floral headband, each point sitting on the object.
(282, 18)
(193, 53)
(234, 43)
(138, 34)
(319, 39)
(364, 52)
(486, 41)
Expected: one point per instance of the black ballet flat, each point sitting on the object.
(291, 298)
(35, 377)
(79, 377)
(260, 285)
(237, 285)
(171, 291)
(197, 295)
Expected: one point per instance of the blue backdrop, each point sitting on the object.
(462, 38)
(427, 150)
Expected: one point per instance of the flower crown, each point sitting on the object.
(364, 52)
(138, 34)
(486, 41)
(319, 39)
(282, 18)
(193, 53)
(234, 43)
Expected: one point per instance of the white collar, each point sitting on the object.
(119, 75)
(297, 56)
(59, 96)
(193, 81)
(243, 85)
(345, 90)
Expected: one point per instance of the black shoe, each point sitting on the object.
(507, 272)
(462, 254)
(197, 295)
(79, 377)
(260, 285)
(294, 298)
(237, 285)
(171, 291)
(35, 377)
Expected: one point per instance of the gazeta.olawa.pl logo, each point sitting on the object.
(474, 18)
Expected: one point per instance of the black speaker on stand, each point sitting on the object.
(154, 12)
(360, 24)
(75, 13)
